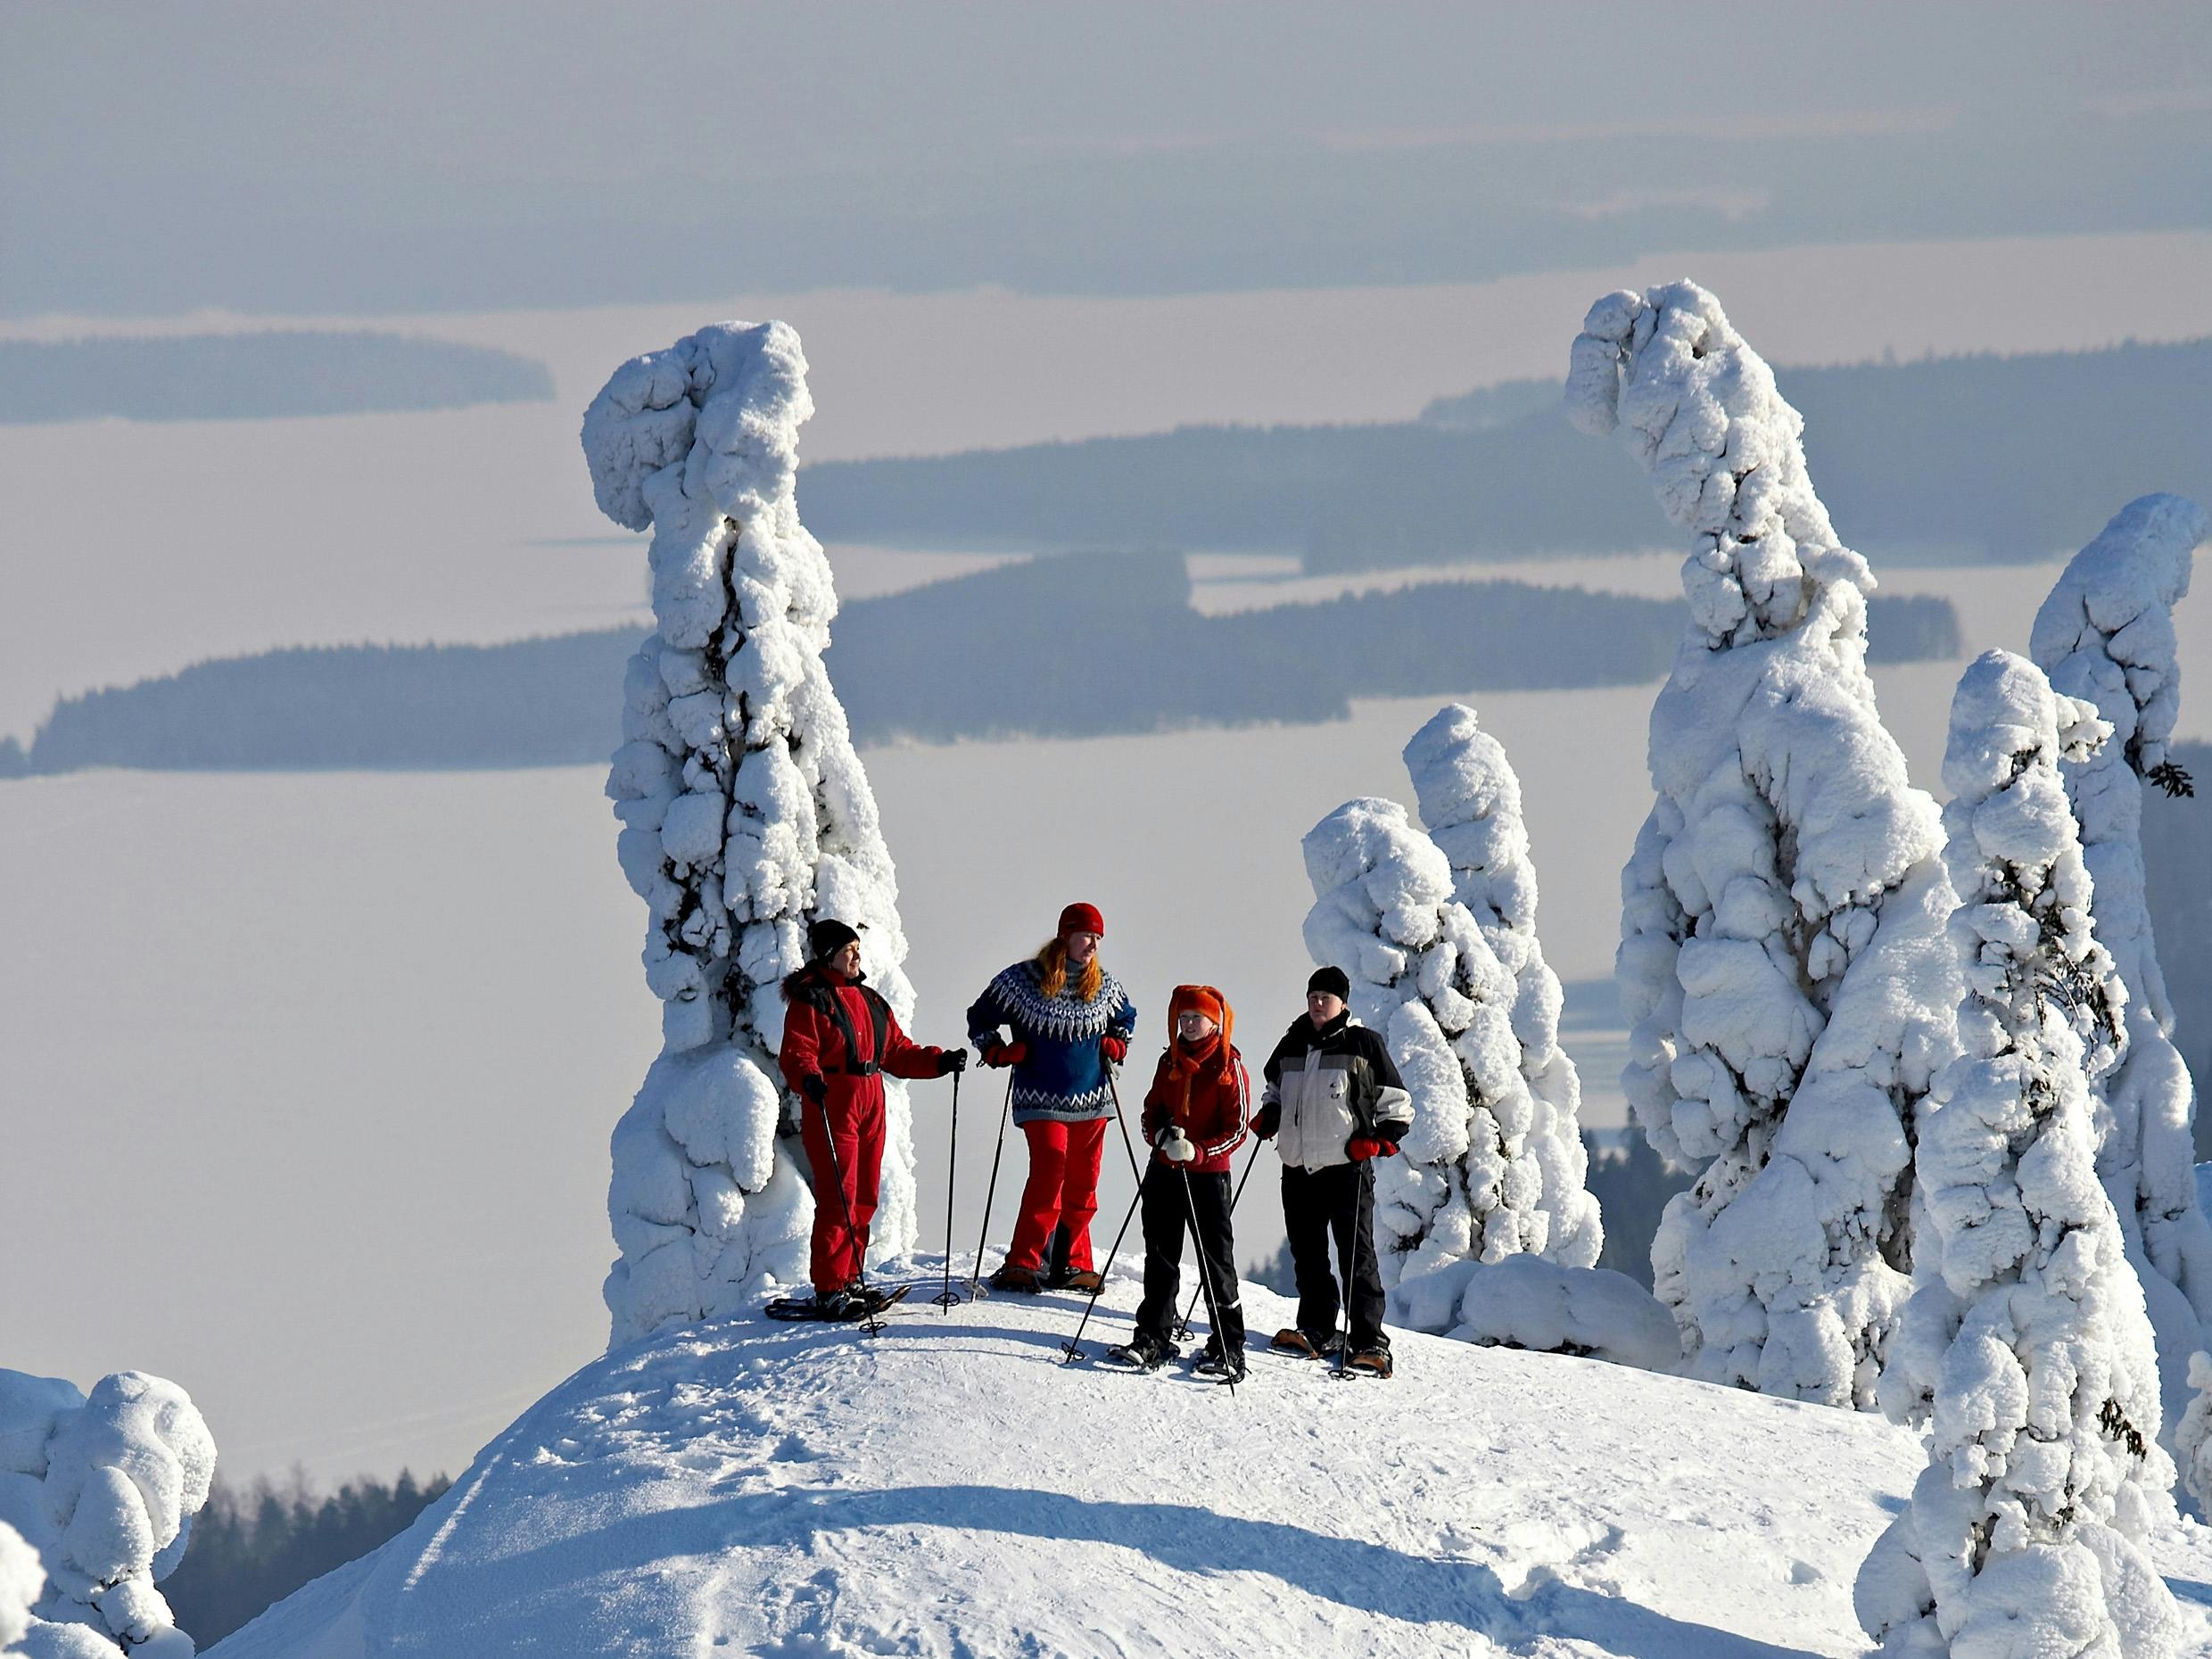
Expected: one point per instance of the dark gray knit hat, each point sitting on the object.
(1335, 981)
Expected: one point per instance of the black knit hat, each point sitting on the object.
(825, 939)
(1335, 981)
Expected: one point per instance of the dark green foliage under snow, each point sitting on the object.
(250, 1550)
(2177, 863)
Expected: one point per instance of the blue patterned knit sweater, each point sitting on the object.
(1062, 1077)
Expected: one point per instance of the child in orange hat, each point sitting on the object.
(1194, 1117)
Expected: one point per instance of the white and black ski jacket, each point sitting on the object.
(1325, 1086)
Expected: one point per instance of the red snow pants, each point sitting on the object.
(855, 1115)
(1062, 1189)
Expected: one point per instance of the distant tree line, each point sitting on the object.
(251, 1549)
(256, 376)
(982, 656)
(1979, 457)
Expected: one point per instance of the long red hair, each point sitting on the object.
(1054, 960)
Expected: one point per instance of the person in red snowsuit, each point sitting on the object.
(838, 1034)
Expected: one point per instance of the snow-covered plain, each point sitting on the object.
(949, 1488)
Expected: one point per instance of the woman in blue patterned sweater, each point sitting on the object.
(1058, 1020)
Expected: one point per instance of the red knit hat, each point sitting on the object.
(1082, 919)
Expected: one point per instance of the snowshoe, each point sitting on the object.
(1290, 1340)
(1010, 1277)
(876, 1298)
(838, 1307)
(1368, 1362)
(1139, 1353)
(1083, 1283)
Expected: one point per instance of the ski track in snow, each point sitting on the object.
(948, 1489)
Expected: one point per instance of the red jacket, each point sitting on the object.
(1195, 1087)
(815, 1041)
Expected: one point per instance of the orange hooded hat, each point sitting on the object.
(1208, 1001)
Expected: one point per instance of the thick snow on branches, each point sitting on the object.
(745, 816)
(102, 1487)
(2026, 1350)
(2106, 634)
(22, 1580)
(1470, 800)
(1467, 1186)
(1782, 957)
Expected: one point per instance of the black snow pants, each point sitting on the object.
(1334, 1202)
(1166, 1219)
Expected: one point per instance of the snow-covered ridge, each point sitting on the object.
(950, 1488)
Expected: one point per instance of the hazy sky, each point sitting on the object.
(309, 157)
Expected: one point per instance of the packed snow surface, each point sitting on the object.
(949, 1488)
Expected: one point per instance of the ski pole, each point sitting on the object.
(1205, 1277)
(1183, 1326)
(1073, 1347)
(1127, 1145)
(975, 1279)
(868, 1321)
(945, 1298)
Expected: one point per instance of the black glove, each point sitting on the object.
(1269, 1121)
(950, 1060)
(816, 1089)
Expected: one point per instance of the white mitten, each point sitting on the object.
(1175, 1146)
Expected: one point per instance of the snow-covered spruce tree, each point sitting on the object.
(2024, 1350)
(1467, 1187)
(2106, 634)
(745, 816)
(103, 1488)
(1782, 955)
(1470, 800)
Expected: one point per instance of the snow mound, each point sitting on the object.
(949, 1488)
(22, 1578)
(101, 1489)
(1525, 1301)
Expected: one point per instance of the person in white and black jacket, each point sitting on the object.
(1334, 1103)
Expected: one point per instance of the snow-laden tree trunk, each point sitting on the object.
(103, 1488)
(1470, 800)
(1467, 1187)
(2106, 634)
(745, 814)
(2026, 1350)
(1782, 955)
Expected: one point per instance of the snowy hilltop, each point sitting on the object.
(950, 1487)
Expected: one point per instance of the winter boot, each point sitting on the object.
(1213, 1363)
(1291, 1339)
(1083, 1282)
(841, 1305)
(1010, 1277)
(1141, 1352)
(1370, 1361)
